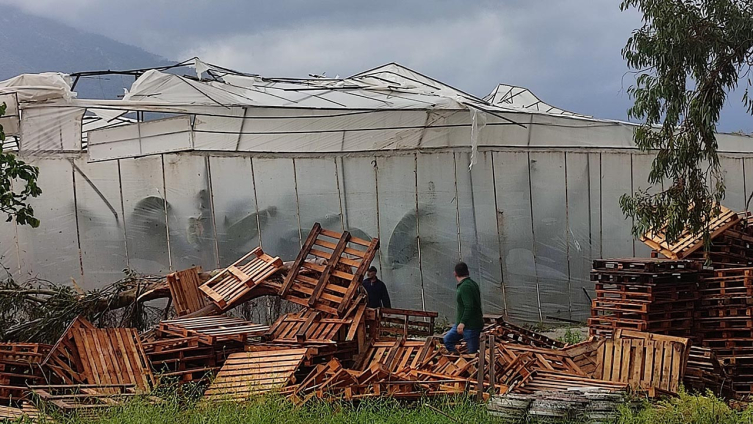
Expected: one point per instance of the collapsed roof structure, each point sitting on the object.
(191, 170)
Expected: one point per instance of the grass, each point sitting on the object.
(271, 409)
(686, 408)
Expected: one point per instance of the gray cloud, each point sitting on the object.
(568, 53)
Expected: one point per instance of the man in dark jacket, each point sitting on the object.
(469, 320)
(376, 290)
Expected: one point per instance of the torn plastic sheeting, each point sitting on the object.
(478, 122)
(200, 67)
(39, 87)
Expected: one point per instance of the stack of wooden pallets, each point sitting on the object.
(654, 295)
(724, 322)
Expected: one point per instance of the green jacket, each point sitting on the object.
(469, 305)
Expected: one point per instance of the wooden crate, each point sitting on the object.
(184, 290)
(332, 287)
(689, 243)
(229, 286)
(213, 329)
(251, 373)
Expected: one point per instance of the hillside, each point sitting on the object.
(33, 44)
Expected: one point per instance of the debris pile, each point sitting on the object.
(335, 347)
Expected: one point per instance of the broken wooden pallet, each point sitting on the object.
(332, 287)
(687, 242)
(229, 286)
(251, 373)
(184, 291)
(212, 329)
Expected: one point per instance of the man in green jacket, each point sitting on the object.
(470, 320)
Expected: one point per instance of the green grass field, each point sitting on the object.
(692, 409)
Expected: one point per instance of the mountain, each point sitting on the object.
(30, 44)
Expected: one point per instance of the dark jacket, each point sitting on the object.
(377, 293)
(469, 305)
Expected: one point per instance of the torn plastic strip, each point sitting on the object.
(478, 122)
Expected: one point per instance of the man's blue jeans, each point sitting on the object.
(471, 338)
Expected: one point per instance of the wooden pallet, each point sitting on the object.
(689, 243)
(20, 365)
(87, 400)
(643, 360)
(507, 331)
(251, 373)
(184, 291)
(542, 381)
(64, 360)
(331, 287)
(89, 355)
(310, 326)
(643, 265)
(26, 413)
(213, 329)
(405, 323)
(229, 286)
(28, 353)
(704, 371)
(396, 355)
(185, 359)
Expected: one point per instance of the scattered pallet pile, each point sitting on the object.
(653, 295)
(335, 347)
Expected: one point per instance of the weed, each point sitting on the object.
(571, 336)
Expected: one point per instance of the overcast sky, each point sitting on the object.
(566, 52)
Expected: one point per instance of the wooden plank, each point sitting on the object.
(299, 261)
(330, 268)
